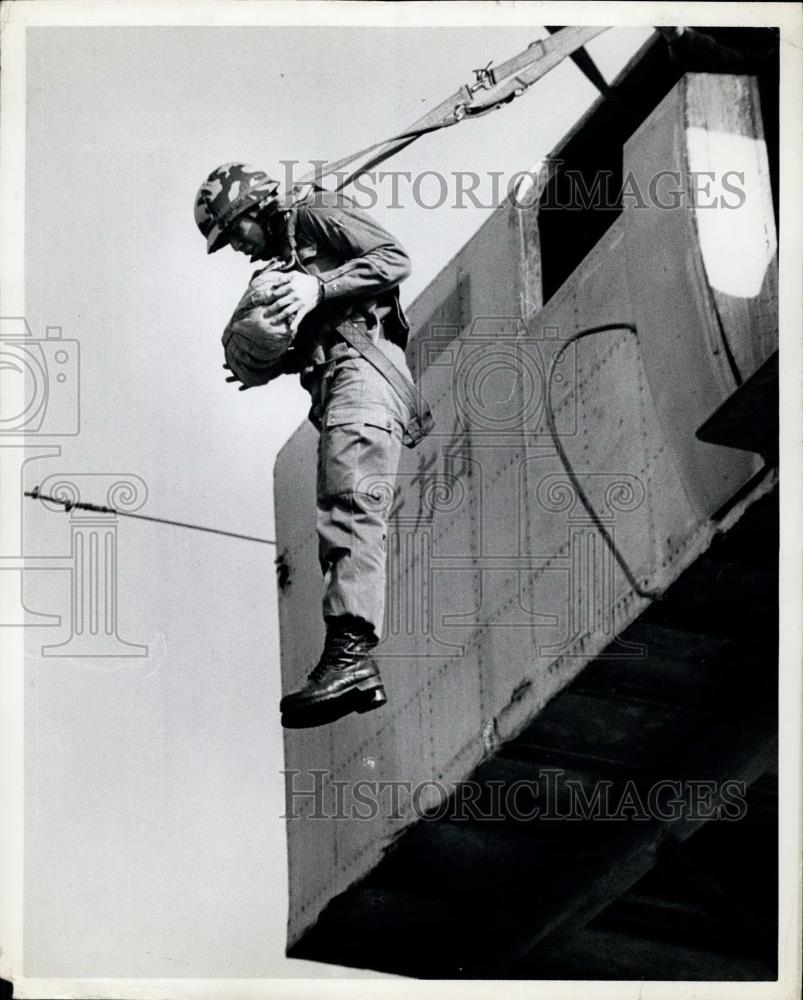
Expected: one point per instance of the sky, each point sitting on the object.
(162, 773)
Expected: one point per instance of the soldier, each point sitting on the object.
(338, 288)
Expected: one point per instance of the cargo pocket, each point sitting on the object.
(358, 450)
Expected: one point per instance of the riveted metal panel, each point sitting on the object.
(500, 587)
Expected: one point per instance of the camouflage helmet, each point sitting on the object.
(228, 191)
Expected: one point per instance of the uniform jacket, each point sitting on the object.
(360, 266)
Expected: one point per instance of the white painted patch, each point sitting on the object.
(737, 243)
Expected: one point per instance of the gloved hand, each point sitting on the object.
(292, 295)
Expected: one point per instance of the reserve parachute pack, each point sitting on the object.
(254, 344)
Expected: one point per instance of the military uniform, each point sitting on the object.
(360, 417)
(349, 351)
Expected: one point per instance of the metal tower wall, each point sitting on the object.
(500, 588)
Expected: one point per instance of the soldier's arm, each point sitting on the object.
(373, 260)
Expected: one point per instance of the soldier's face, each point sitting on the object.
(248, 237)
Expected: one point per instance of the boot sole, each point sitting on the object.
(376, 698)
(363, 697)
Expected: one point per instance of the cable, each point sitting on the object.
(78, 505)
(653, 594)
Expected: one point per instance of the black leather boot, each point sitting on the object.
(346, 679)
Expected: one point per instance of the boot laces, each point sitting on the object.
(335, 645)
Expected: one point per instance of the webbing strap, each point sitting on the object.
(421, 421)
(525, 68)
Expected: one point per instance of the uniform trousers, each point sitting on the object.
(362, 420)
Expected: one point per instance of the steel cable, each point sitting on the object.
(79, 505)
(550, 416)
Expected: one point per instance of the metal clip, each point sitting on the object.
(484, 79)
(459, 112)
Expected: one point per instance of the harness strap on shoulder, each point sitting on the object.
(295, 197)
(421, 420)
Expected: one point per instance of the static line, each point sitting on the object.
(69, 505)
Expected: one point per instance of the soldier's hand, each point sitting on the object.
(294, 295)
